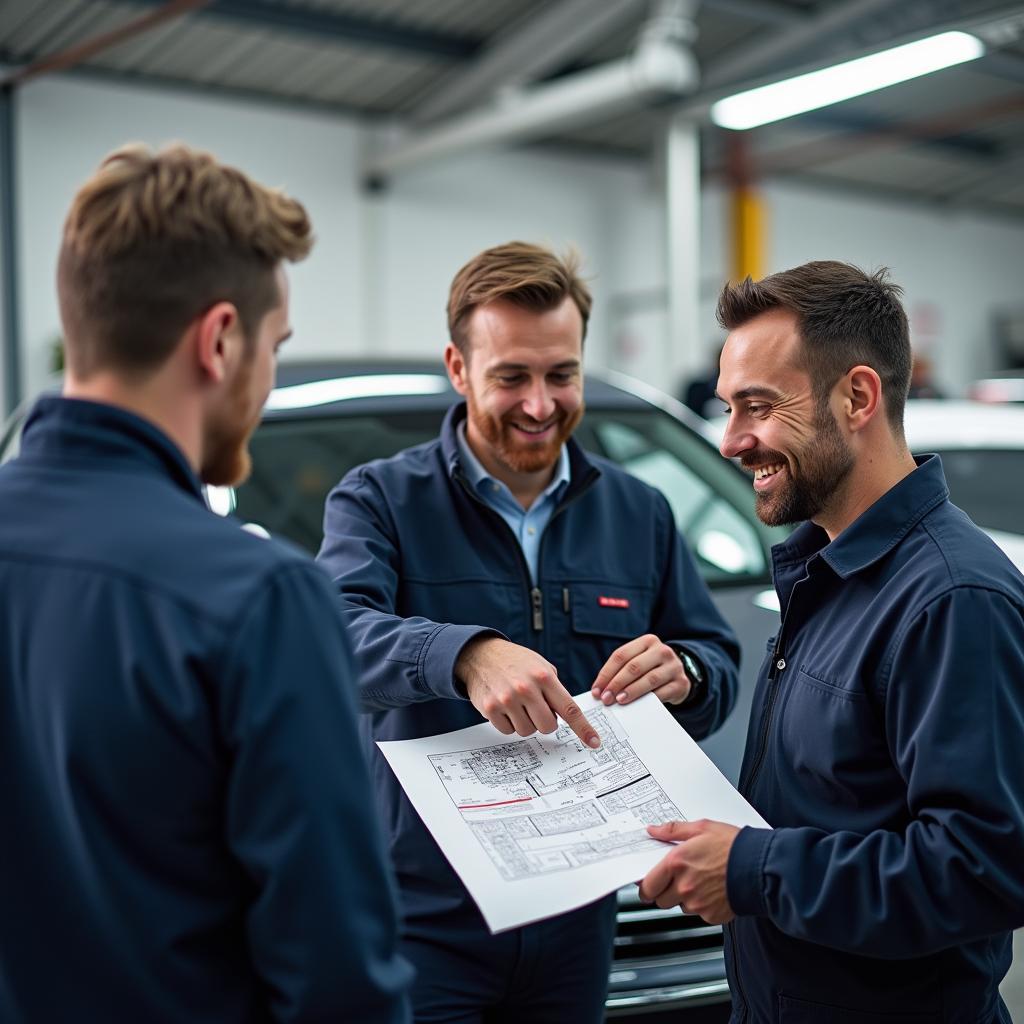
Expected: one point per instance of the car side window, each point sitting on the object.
(726, 542)
(297, 461)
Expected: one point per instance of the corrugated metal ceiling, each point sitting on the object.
(384, 58)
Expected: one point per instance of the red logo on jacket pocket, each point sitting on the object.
(613, 602)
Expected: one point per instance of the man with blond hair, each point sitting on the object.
(486, 573)
(187, 833)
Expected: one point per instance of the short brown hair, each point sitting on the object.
(527, 275)
(153, 240)
(846, 318)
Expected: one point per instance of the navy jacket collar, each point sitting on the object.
(74, 428)
(876, 531)
(582, 472)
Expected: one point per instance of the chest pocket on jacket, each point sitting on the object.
(832, 741)
(600, 619)
(610, 611)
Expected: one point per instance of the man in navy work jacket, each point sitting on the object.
(886, 743)
(491, 573)
(187, 833)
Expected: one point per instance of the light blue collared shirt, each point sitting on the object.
(527, 524)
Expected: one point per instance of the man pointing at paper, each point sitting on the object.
(491, 573)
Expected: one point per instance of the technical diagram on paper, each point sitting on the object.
(537, 826)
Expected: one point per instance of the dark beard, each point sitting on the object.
(824, 465)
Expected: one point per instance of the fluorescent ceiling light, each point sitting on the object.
(844, 81)
(370, 385)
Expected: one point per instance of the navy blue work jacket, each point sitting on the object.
(886, 748)
(187, 834)
(423, 566)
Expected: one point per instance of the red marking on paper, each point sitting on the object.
(497, 803)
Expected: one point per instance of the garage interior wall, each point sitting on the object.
(377, 280)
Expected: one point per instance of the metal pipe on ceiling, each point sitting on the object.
(661, 66)
(544, 43)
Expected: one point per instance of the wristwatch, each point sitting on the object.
(695, 672)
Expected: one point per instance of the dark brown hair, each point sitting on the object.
(845, 317)
(518, 272)
(153, 240)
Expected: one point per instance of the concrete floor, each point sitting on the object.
(1012, 988)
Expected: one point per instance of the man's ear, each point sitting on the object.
(457, 367)
(861, 394)
(214, 332)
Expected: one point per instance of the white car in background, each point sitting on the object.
(982, 450)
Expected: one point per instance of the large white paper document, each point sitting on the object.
(538, 826)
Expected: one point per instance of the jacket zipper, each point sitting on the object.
(736, 969)
(536, 595)
(778, 665)
(535, 592)
(537, 601)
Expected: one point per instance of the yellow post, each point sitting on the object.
(748, 217)
(747, 213)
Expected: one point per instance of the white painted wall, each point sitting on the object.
(378, 277)
(66, 125)
(956, 268)
(431, 220)
(377, 280)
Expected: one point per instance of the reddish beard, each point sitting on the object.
(512, 448)
(226, 461)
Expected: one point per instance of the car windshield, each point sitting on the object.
(296, 462)
(988, 484)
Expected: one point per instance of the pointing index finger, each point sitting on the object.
(570, 712)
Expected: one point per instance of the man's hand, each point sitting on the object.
(517, 691)
(692, 876)
(638, 667)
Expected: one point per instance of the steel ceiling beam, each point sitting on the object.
(205, 90)
(340, 28)
(902, 193)
(1002, 65)
(768, 12)
(1008, 170)
(963, 143)
(81, 52)
(753, 58)
(543, 43)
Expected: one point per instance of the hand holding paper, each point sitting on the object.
(693, 875)
(539, 826)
